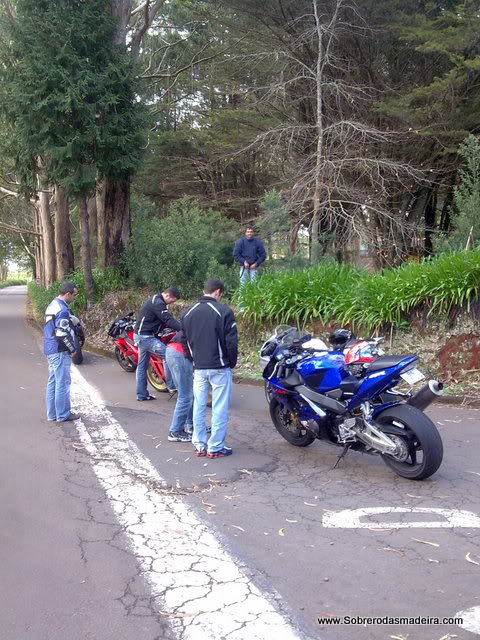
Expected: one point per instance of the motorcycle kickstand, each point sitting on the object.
(342, 455)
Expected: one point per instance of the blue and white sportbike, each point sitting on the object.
(313, 394)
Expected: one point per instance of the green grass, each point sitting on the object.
(11, 282)
(331, 292)
(103, 283)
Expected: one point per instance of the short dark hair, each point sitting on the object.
(67, 287)
(174, 292)
(212, 285)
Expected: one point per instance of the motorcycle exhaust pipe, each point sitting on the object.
(427, 394)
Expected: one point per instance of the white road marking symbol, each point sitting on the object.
(206, 592)
(351, 518)
(471, 619)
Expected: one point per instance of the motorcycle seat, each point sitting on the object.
(384, 362)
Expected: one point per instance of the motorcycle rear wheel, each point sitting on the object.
(297, 435)
(124, 362)
(156, 381)
(423, 444)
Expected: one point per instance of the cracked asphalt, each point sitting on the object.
(79, 562)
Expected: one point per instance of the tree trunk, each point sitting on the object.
(100, 200)
(293, 236)
(93, 226)
(39, 268)
(116, 220)
(86, 250)
(48, 233)
(63, 236)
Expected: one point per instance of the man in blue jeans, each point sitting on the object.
(210, 336)
(58, 346)
(181, 367)
(153, 318)
(249, 253)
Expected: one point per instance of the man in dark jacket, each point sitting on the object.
(210, 336)
(152, 318)
(249, 252)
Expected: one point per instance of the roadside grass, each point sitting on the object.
(343, 295)
(12, 282)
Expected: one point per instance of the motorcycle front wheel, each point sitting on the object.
(268, 390)
(288, 426)
(420, 448)
(124, 362)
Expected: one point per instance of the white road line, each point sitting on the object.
(350, 518)
(471, 619)
(205, 591)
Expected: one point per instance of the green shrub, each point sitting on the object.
(337, 293)
(11, 282)
(103, 282)
(183, 249)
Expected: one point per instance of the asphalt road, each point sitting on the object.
(90, 549)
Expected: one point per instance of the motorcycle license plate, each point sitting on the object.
(412, 376)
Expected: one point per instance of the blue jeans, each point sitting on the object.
(181, 369)
(247, 275)
(221, 382)
(58, 386)
(147, 345)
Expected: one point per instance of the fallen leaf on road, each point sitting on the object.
(281, 532)
(402, 553)
(237, 527)
(186, 459)
(309, 504)
(474, 472)
(290, 520)
(245, 471)
(433, 544)
(432, 560)
(468, 558)
(169, 458)
(157, 445)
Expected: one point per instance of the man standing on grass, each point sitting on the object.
(249, 252)
(58, 346)
(210, 335)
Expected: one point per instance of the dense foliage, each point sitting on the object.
(331, 292)
(103, 283)
(182, 249)
(11, 282)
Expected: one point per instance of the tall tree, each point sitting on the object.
(72, 102)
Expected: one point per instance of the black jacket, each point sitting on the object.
(210, 334)
(249, 250)
(154, 316)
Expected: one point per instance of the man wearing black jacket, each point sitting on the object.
(210, 336)
(249, 252)
(152, 318)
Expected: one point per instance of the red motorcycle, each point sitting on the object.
(126, 351)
